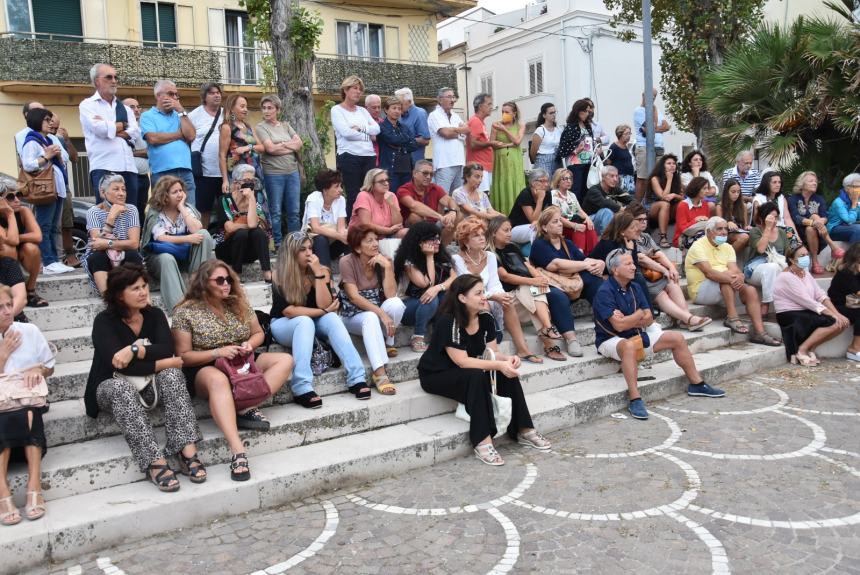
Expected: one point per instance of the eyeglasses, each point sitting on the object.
(385, 181)
(721, 229)
(111, 77)
(221, 280)
(298, 236)
(12, 196)
(171, 94)
(435, 240)
(566, 179)
(426, 174)
(452, 98)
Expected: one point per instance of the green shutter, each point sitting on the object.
(149, 28)
(167, 23)
(58, 17)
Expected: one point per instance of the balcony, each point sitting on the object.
(66, 61)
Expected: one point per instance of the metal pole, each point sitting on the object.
(649, 86)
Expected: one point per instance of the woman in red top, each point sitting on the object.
(693, 209)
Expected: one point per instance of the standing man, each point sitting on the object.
(168, 132)
(415, 119)
(207, 119)
(479, 148)
(67, 221)
(110, 131)
(447, 132)
(141, 161)
(373, 104)
(639, 129)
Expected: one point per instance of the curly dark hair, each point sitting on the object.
(659, 172)
(578, 106)
(119, 278)
(410, 249)
(685, 165)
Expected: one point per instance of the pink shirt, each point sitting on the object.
(380, 214)
(791, 293)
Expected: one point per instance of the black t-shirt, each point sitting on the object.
(443, 272)
(279, 303)
(526, 198)
(511, 258)
(604, 247)
(622, 160)
(436, 359)
(843, 284)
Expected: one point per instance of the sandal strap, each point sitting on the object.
(552, 349)
(239, 460)
(160, 478)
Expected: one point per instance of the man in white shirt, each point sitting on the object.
(447, 132)
(110, 131)
(206, 117)
(141, 160)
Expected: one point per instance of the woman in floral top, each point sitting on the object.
(578, 227)
(238, 143)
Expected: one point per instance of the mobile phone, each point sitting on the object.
(534, 290)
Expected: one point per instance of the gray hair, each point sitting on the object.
(613, 259)
(443, 91)
(536, 174)
(852, 179)
(94, 71)
(606, 170)
(240, 169)
(372, 97)
(479, 99)
(741, 155)
(421, 163)
(272, 99)
(162, 84)
(404, 94)
(713, 223)
(107, 180)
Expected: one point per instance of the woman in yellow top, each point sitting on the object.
(509, 177)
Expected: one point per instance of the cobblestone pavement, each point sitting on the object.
(765, 480)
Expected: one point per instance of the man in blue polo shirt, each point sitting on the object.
(168, 133)
(621, 311)
(415, 119)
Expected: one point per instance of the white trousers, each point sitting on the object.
(764, 276)
(367, 325)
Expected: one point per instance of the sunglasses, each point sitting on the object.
(111, 77)
(385, 181)
(12, 196)
(221, 280)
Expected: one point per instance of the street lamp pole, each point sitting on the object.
(650, 118)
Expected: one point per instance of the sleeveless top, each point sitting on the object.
(239, 139)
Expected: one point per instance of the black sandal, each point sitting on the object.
(163, 478)
(360, 390)
(240, 460)
(309, 400)
(34, 300)
(196, 474)
(549, 332)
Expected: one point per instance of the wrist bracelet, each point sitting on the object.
(215, 353)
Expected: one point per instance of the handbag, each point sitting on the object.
(852, 301)
(38, 188)
(14, 395)
(179, 251)
(321, 357)
(596, 165)
(774, 257)
(636, 340)
(502, 406)
(197, 157)
(570, 284)
(652, 275)
(349, 309)
(140, 382)
(246, 379)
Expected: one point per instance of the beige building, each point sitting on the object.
(48, 46)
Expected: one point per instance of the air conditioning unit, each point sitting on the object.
(443, 44)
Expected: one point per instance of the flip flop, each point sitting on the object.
(531, 358)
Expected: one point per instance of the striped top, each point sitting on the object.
(96, 218)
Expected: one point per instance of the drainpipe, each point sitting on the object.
(564, 62)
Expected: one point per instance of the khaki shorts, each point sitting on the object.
(609, 348)
(641, 165)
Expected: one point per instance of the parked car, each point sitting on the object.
(79, 231)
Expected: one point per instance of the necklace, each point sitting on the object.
(480, 261)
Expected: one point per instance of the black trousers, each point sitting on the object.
(142, 194)
(853, 315)
(100, 262)
(353, 169)
(327, 250)
(245, 246)
(471, 387)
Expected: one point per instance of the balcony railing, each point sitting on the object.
(67, 60)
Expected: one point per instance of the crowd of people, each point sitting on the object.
(468, 241)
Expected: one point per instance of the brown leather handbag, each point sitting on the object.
(38, 188)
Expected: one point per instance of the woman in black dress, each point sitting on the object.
(846, 283)
(452, 367)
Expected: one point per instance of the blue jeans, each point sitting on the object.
(601, 219)
(559, 309)
(283, 190)
(298, 333)
(187, 178)
(846, 233)
(419, 314)
(131, 185)
(48, 217)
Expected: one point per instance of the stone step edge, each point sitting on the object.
(97, 520)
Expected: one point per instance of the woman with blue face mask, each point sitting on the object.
(805, 313)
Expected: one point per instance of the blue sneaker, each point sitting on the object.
(704, 390)
(637, 408)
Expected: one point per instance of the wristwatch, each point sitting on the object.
(134, 349)
(183, 113)
(110, 244)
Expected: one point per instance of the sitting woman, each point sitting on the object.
(20, 236)
(805, 314)
(843, 217)
(695, 165)
(733, 209)
(662, 283)
(376, 208)
(173, 239)
(369, 303)
(132, 342)
(663, 194)
(23, 349)
(429, 271)
(577, 224)
(215, 320)
(529, 287)
(766, 237)
(325, 217)
(304, 307)
(769, 190)
(844, 286)
(809, 212)
(241, 231)
(528, 207)
(114, 229)
(454, 367)
(692, 213)
(470, 199)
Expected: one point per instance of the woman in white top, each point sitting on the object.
(545, 140)
(769, 190)
(354, 129)
(325, 217)
(469, 198)
(695, 165)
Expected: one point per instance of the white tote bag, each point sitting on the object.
(502, 406)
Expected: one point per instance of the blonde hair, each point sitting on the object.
(349, 82)
(160, 195)
(798, 183)
(556, 177)
(544, 218)
(288, 273)
(369, 177)
(198, 290)
(469, 227)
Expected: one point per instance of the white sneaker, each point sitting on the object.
(55, 268)
(852, 356)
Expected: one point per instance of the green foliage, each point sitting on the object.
(307, 27)
(693, 35)
(322, 120)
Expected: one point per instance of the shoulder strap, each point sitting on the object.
(565, 248)
(211, 128)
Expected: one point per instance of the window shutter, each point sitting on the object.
(149, 28)
(539, 76)
(167, 23)
(58, 17)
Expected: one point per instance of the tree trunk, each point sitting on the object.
(295, 82)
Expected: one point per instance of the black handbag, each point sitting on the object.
(197, 157)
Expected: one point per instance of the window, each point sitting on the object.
(360, 40)
(487, 83)
(158, 24)
(241, 56)
(535, 76)
(50, 19)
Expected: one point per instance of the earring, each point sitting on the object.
(232, 117)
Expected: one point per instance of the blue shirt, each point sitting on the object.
(610, 297)
(416, 120)
(543, 252)
(840, 212)
(639, 120)
(164, 157)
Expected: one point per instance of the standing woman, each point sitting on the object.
(237, 142)
(545, 140)
(508, 173)
(396, 144)
(280, 166)
(303, 307)
(576, 146)
(663, 194)
(369, 303)
(622, 159)
(733, 209)
(809, 212)
(577, 224)
(354, 129)
(453, 366)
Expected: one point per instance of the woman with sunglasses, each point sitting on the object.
(215, 320)
(376, 208)
(20, 236)
(304, 307)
